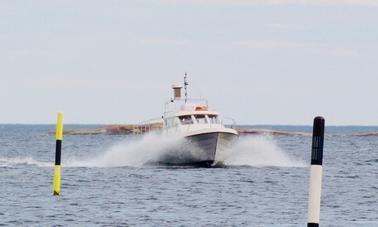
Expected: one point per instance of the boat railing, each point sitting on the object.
(229, 122)
(147, 126)
(156, 120)
(174, 104)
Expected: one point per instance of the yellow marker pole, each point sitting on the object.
(58, 153)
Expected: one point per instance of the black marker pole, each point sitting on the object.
(316, 172)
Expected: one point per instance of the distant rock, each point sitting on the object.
(132, 129)
(85, 131)
(259, 131)
(367, 134)
(115, 129)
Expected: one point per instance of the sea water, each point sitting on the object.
(106, 181)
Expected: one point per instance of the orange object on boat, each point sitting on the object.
(201, 108)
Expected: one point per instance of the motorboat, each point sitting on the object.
(206, 138)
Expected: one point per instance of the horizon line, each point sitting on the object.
(267, 124)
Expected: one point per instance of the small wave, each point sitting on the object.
(8, 162)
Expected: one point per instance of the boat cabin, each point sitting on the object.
(187, 118)
(198, 119)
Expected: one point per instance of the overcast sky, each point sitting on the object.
(258, 61)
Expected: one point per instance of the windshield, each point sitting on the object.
(214, 119)
(201, 119)
(186, 120)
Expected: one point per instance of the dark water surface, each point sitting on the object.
(104, 182)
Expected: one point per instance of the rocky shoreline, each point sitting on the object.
(367, 134)
(139, 129)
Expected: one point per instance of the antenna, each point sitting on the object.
(186, 86)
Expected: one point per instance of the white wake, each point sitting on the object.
(248, 151)
(258, 151)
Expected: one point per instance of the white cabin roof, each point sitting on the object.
(184, 113)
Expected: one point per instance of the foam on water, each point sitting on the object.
(248, 151)
(133, 153)
(252, 151)
(8, 162)
(258, 151)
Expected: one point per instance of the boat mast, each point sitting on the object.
(186, 87)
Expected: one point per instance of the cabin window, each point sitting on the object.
(201, 119)
(186, 120)
(214, 119)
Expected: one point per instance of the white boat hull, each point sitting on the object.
(201, 149)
